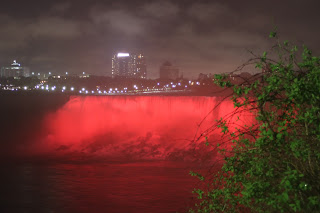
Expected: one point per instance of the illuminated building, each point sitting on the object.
(14, 70)
(140, 67)
(167, 71)
(129, 65)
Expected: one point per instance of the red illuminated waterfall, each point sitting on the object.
(135, 127)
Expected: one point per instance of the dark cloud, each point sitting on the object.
(61, 7)
(198, 36)
(161, 9)
(120, 22)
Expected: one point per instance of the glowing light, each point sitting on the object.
(123, 55)
(15, 63)
(25, 88)
(91, 124)
(83, 89)
(72, 88)
(63, 88)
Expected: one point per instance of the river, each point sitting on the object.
(103, 154)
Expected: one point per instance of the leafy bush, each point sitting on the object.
(274, 165)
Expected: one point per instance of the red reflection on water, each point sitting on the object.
(97, 187)
(137, 187)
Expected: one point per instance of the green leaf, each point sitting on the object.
(272, 34)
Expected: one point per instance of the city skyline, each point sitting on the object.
(197, 36)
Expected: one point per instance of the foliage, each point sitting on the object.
(274, 165)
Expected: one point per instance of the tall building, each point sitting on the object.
(15, 70)
(141, 66)
(129, 65)
(167, 71)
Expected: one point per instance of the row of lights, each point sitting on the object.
(111, 90)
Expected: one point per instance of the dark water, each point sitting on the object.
(96, 187)
(103, 154)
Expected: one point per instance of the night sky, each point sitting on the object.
(198, 36)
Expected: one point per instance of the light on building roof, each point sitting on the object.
(15, 63)
(123, 55)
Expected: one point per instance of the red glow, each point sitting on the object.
(140, 127)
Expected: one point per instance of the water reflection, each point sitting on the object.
(130, 187)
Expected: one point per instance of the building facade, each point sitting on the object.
(167, 71)
(14, 70)
(129, 65)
